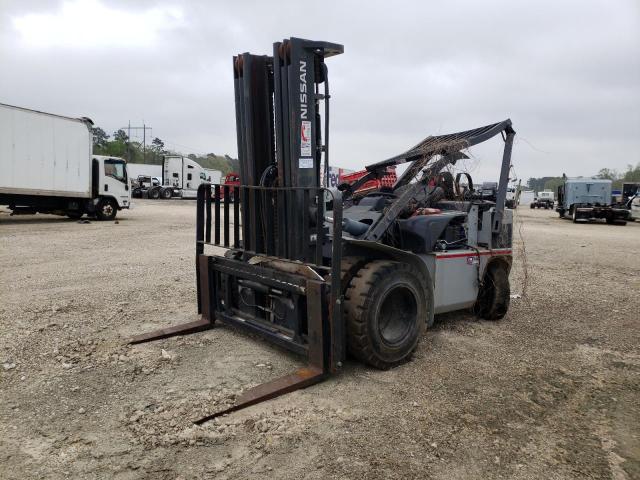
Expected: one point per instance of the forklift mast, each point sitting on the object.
(280, 143)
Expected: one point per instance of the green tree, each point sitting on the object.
(553, 184)
(632, 174)
(608, 174)
(157, 145)
(100, 137)
(121, 136)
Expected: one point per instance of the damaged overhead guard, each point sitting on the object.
(303, 277)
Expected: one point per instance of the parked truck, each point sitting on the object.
(181, 177)
(545, 199)
(589, 199)
(47, 166)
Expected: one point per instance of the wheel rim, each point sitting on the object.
(107, 209)
(397, 315)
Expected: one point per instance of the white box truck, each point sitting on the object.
(47, 166)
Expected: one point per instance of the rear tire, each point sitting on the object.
(154, 194)
(494, 295)
(74, 214)
(106, 209)
(386, 308)
(574, 215)
(166, 193)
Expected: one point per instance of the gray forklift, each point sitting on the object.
(364, 279)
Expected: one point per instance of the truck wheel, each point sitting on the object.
(166, 193)
(574, 215)
(532, 206)
(75, 214)
(154, 194)
(106, 209)
(612, 221)
(494, 295)
(561, 213)
(386, 308)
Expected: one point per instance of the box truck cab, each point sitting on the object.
(113, 190)
(48, 166)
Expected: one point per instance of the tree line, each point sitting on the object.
(631, 174)
(120, 145)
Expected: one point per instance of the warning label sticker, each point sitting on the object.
(305, 139)
(305, 163)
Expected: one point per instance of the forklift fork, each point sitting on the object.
(318, 334)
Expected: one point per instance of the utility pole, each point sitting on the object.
(144, 129)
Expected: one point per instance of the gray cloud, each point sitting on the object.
(567, 73)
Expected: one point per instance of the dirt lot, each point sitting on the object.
(552, 391)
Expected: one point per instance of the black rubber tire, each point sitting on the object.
(379, 288)
(154, 193)
(561, 213)
(166, 193)
(611, 221)
(106, 209)
(495, 294)
(574, 215)
(74, 214)
(532, 206)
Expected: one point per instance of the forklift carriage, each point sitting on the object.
(364, 278)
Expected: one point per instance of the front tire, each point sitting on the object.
(387, 312)
(106, 209)
(166, 193)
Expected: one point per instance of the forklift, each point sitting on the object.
(364, 279)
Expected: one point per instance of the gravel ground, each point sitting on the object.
(551, 391)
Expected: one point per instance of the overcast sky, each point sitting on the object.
(566, 72)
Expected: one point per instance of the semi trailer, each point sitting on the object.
(47, 166)
(585, 199)
(181, 177)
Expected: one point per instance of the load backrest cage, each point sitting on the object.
(313, 272)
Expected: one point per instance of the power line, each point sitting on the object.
(144, 129)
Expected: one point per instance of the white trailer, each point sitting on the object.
(527, 197)
(47, 166)
(136, 170)
(214, 177)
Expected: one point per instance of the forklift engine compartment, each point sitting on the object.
(364, 278)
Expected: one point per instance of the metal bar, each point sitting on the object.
(301, 378)
(216, 233)
(200, 220)
(205, 287)
(251, 243)
(281, 243)
(320, 237)
(337, 332)
(236, 217)
(183, 329)
(269, 227)
(501, 195)
(315, 334)
(226, 215)
(257, 327)
(276, 279)
(200, 213)
(305, 217)
(207, 197)
(292, 253)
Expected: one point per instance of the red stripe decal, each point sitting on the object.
(473, 254)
